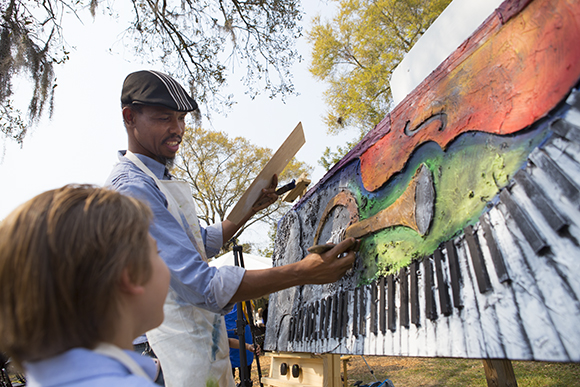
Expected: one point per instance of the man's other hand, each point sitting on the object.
(267, 197)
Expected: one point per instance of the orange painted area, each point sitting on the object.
(507, 77)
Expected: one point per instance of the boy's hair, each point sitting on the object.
(61, 258)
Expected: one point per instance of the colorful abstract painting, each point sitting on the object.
(429, 188)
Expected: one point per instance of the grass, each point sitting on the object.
(438, 372)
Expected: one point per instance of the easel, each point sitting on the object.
(499, 373)
(245, 379)
(303, 369)
(306, 369)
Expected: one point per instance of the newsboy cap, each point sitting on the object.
(149, 87)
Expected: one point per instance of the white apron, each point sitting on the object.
(192, 343)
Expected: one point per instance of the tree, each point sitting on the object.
(330, 157)
(194, 40)
(356, 53)
(29, 37)
(220, 169)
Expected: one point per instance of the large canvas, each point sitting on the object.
(466, 200)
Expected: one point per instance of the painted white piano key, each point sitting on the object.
(512, 334)
(474, 340)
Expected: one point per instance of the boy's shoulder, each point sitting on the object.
(81, 367)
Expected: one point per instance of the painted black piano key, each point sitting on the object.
(496, 255)
(565, 129)
(382, 306)
(321, 315)
(415, 317)
(300, 326)
(574, 99)
(314, 322)
(307, 320)
(316, 326)
(296, 327)
(322, 334)
(543, 161)
(291, 329)
(340, 316)
(479, 267)
(373, 316)
(334, 316)
(305, 323)
(336, 305)
(534, 238)
(362, 326)
(404, 298)
(442, 287)
(542, 203)
(310, 320)
(430, 307)
(355, 312)
(327, 327)
(391, 303)
(454, 274)
(345, 300)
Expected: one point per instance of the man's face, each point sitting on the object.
(155, 131)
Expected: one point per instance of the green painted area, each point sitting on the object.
(466, 177)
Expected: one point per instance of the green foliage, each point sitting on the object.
(195, 41)
(356, 52)
(220, 169)
(330, 157)
(246, 248)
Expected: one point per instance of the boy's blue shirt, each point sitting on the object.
(81, 367)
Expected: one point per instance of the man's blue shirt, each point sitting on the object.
(193, 279)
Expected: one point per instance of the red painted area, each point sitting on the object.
(500, 81)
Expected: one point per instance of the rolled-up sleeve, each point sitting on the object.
(213, 239)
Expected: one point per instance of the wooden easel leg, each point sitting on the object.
(344, 373)
(499, 373)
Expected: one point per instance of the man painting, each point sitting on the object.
(191, 344)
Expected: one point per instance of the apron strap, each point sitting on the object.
(118, 354)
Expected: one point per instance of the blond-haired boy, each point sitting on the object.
(80, 278)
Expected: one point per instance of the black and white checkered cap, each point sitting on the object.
(149, 87)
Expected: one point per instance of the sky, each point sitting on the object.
(79, 143)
